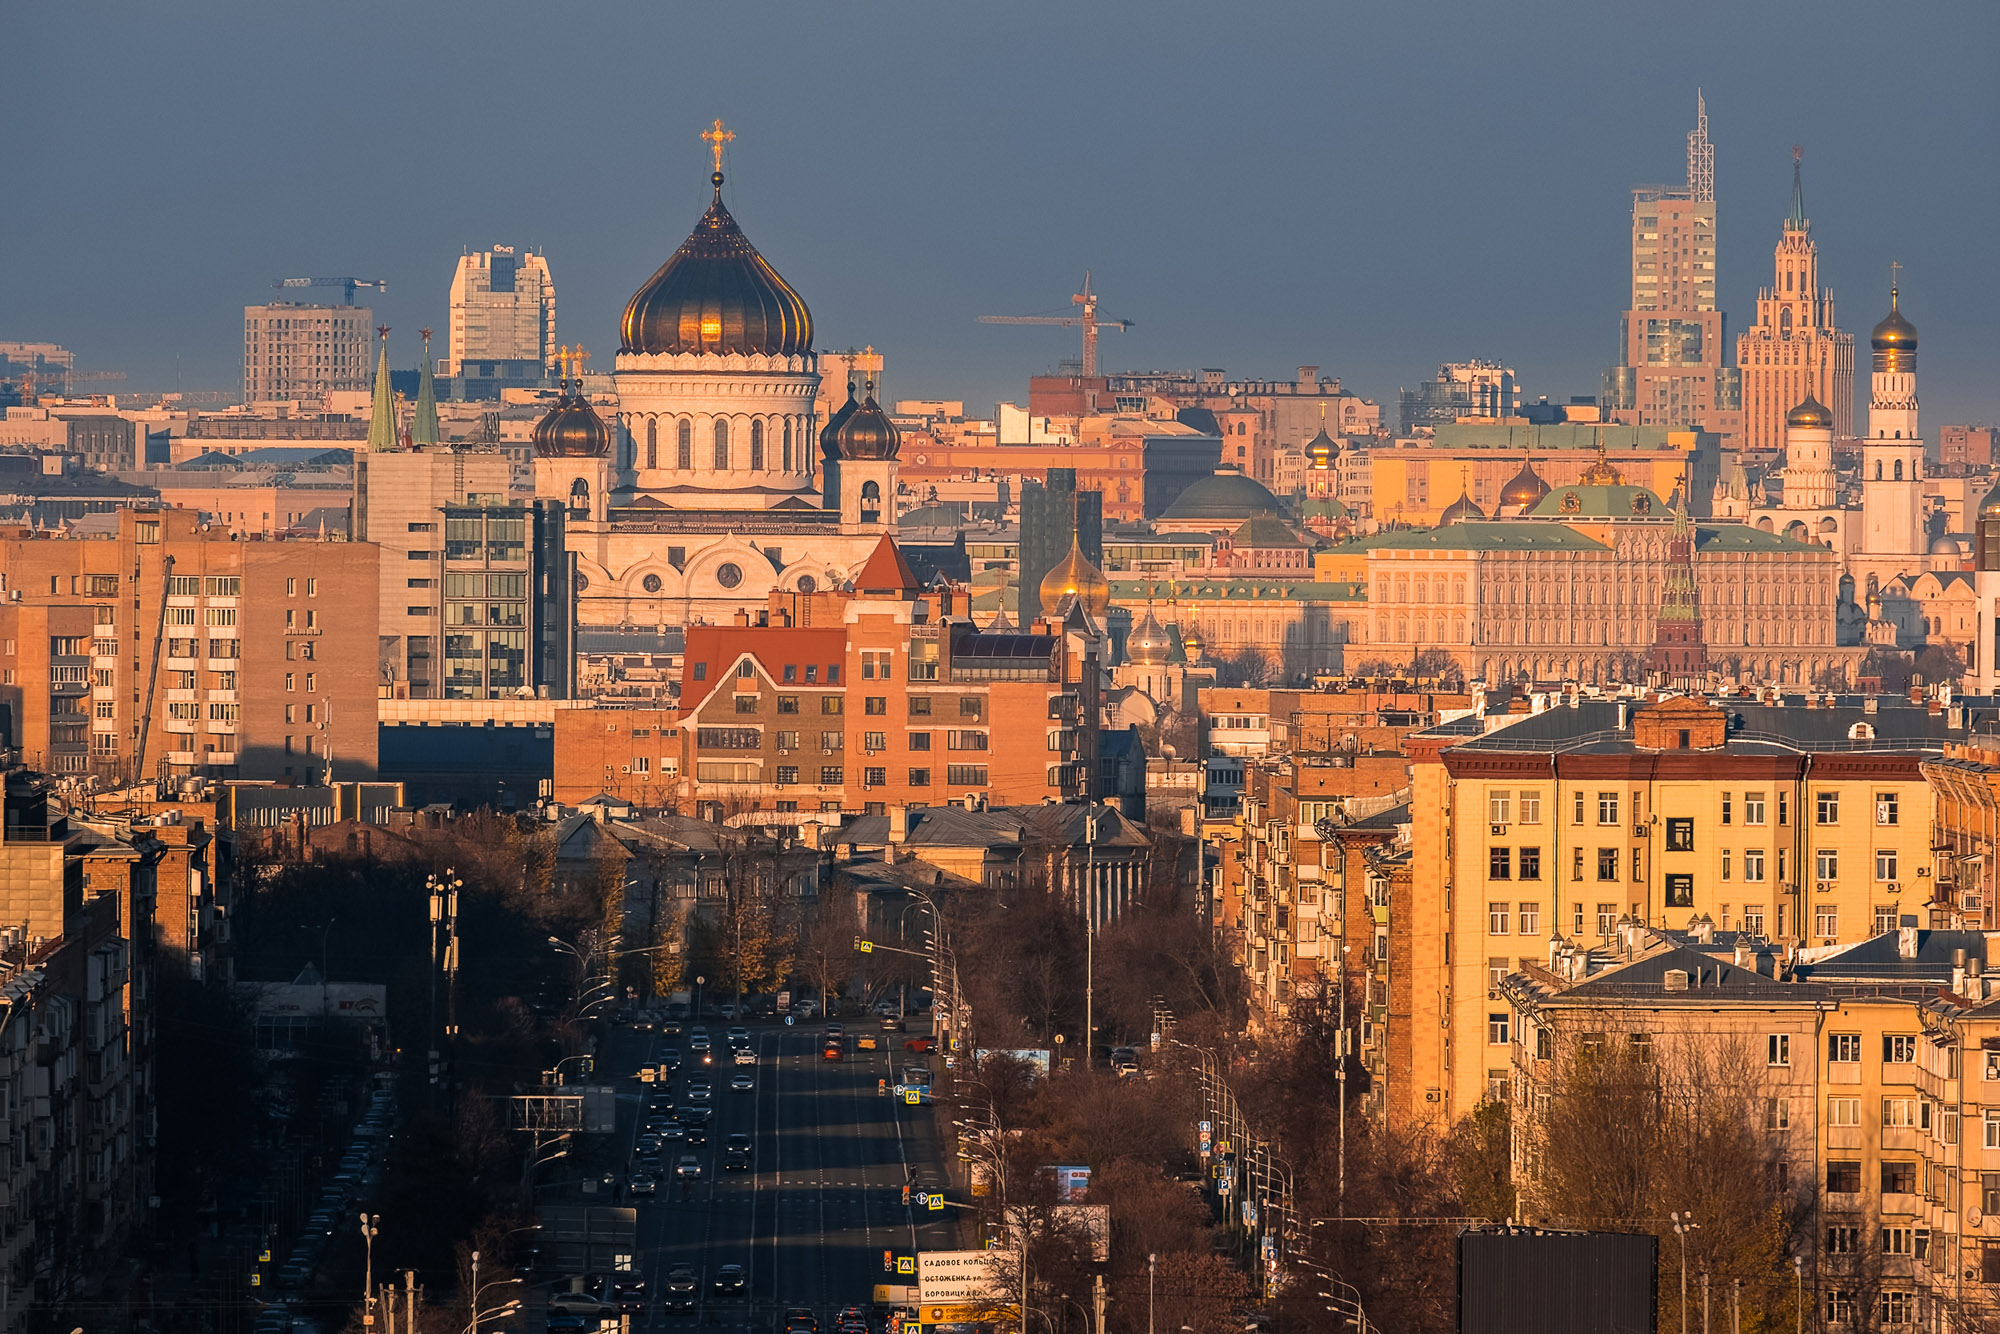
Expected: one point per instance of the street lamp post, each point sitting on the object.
(1152, 1259)
(370, 1226)
(1683, 1224)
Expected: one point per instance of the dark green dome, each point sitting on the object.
(1227, 497)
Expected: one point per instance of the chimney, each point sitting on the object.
(899, 824)
(1624, 712)
(742, 617)
(1743, 957)
(1906, 942)
(1308, 376)
(1916, 693)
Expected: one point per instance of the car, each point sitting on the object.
(568, 1324)
(836, 1030)
(891, 1024)
(673, 1130)
(745, 1056)
(834, 1050)
(800, 1317)
(805, 1009)
(886, 1006)
(727, 1009)
(920, 1045)
(629, 1295)
(569, 1301)
(683, 1287)
(736, 1160)
(656, 1125)
(728, 1278)
(743, 1083)
(645, 1144)
(295, 1275)
(670, 1027)
(642, 1025)
(739, 1037)
(852, 1317)
(696, 1116)
(697, 1135)
(688, 1168)
(699, 1033)
(643, 1183)
(670, 1059)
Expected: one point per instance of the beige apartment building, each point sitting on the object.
(174, 649)
(296, 351)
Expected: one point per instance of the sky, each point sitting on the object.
(1373, 189)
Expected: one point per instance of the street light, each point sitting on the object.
(1151, 1260)
(370, 1226)
(1683, 1224)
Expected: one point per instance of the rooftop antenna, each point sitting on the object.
(1701, 155)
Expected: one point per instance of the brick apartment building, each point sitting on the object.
(165, 649)
(888, 696)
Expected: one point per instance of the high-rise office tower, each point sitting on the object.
(503, 308)
(292, 350)
(1671, 369)
(1793, 352)
(1054, 515)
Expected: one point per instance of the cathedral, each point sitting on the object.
(708, 489)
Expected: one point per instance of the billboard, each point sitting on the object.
(961, 1278)
(1531, 1281)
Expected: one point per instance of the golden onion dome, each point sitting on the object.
(1460, 511)
(571, 429)
(1074, 575)
(1192, 643)
(1894, 340)
(717, 295)
(1322, 448)
(1149, 643)
(1811, 413)
(1989, 508)
(860, 431)
(1526, 490)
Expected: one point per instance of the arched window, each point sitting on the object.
(579, 497)
(871, 491)
(684, 444)
(652, 442)
(1785, 320)
(1878, 470)
(788, 444)
(1899, 470)
(722, 446)
(756, 446)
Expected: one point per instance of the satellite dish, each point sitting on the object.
(1973, 1215)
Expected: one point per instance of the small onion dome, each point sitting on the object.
(1811, 413)
(1148, 644)
(1075, 575)
(717, 295)
(1989, 508)
(1526, 490)
(860, 431)
(572, 429)
(1192, 643)
(1321, 449)
(1461, 510)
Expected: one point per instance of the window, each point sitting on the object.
(875, 706)
(1826, 924)
(684, 444)
(1725, 863)
(722, 446)
(1577, 816)
(1496, 1029)
(1607, 808)
(1843, 1240)
(1899, 1048)
(965, 775)
(1826, 864)
(1638, 863)
(920, 778)
(1607, 919)
(1607, 863)
(972, 706)
(1496, 919)
(1530, 917)
(1680, 834)
(1899, 1113)
(1531, 808)
(1680, 891)
(182, 585)
(1899, 1241)
(1843, 1112)
(788, 741)
(1499, 807)
(1753, 864)
(1777, 1113)
(958, 740)
(788, 703)
(874, 741)
(920, 706)
(1991, 1121)
(791, 673)
(871, 777)
(1753, 808)
(920, 741)
(1843, 1178)
(832, 704)
(1843, 1048)
(1576, 866)
(1899, 1178)
(701, 671)
(830, 742)
(1778, 1049)
(1725, 808)
(746, 704)
(1500, 863)
(1886, 808)
(1826, 808)
(1885, 918)
(1896, 1306)
(1839, 1306)
(1885, 869)
(829, 774)
(1531, 863)
(1784, 808)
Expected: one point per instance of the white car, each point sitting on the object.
(745, 1056)
(566, 1302)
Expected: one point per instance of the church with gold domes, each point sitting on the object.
(708, 487)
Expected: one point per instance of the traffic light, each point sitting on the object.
(889, 1257)
(906, 1197)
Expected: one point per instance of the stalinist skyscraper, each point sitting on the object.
(1672, 366)
(1794, 352)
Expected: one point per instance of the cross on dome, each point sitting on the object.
(716, 137)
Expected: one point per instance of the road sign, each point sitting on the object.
(912, 1096)
(865, 946)
(967, 1313)
(906, 1264)
(936, 1202)
(973, 1279)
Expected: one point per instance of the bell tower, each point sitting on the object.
(1892, 454)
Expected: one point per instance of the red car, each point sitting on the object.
(921, 1044)
(834, 1050)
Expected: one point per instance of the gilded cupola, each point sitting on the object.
(1075, 575)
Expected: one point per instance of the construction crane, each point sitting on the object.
(1088, 321)
(346, 285)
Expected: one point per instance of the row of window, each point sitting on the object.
(1525, 807)
(957, 775)
(194, 585)
(1526, 864)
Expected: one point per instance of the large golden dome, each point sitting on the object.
(1074, 574)
(1894, 339)
(1526, 490)
(716, 294)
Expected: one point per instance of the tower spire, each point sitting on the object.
(1701, 155)
(382, 419)
(1797, 221)
(424, 428)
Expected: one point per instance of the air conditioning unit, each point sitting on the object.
(1823, 886)
(1498, 830)
(1639, 829)
(1894, 886)
(624, 768)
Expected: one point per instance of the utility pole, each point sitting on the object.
(1152, 1262)
(370, 1226)
(1097, 1301)
(1089, 935)
(1340, 1075)
(1704, 1301)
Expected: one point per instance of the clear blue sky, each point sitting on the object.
(1373, 188)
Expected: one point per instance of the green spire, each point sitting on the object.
(424, 430)
(382, 422)
(1797, 221)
